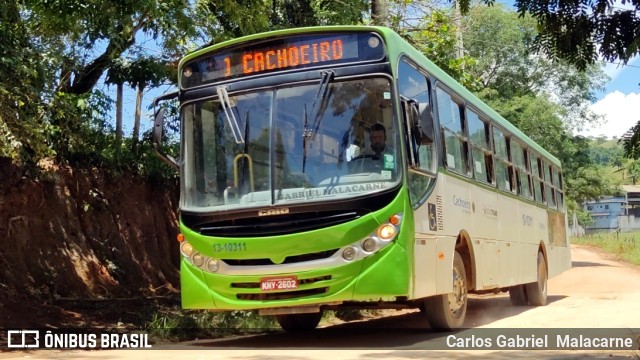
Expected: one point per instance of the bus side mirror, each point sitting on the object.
(156, 133)
(158, 121)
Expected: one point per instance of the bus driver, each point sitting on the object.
(378, 139)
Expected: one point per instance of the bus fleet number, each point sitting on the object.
(230, 247)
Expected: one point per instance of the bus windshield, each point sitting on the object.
(295, 144)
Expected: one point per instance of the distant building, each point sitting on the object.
(616, 212)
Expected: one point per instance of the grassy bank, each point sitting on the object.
(624, 245)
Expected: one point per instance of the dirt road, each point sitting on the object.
(598, 292)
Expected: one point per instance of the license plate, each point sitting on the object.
(278, 283)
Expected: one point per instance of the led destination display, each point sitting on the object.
(282, 54)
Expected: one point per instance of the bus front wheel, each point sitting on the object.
(299, 322)
(446, 312)
(537, 291)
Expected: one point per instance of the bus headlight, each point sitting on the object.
(197, 259)
(213, 265)
(387, 232)
(186, 249)
(369, 245)
(349, 253)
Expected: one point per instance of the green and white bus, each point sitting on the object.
(287, 207)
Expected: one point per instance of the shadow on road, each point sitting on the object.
(405, 331)
(586, 264)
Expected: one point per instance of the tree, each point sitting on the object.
(500, 41)
(380, 12)
(232, 19)
(633, 169)
(118, 74)
(23, 77)
(582, 31)
(90, 35)
(142, 73)
(436, 37)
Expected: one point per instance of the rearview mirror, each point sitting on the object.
(158, 122)
(156, 134)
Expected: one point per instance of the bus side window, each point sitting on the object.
(535, 178)
(558, 185)
(542, 184)
(504, 171)
(453, 132)
(551, 195)
(518, 158)
(481, 155)
(414, 87)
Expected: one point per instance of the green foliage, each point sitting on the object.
(23, 131)
(607, 152)
(181, 325)
(234, 19)
(624, 245)
(500, 42)
(334, 12)
(436, 38)
(588, 184)
(69, 30)
(582, 31)
(631, 143)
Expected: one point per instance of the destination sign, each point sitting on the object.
(293, 52)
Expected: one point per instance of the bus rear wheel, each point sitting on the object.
(299, 322)
(537, 291)
(446, 312)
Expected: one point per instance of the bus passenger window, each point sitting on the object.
(550, 194)
(520, 165)
(481, 156)
(504, 175)
(455, 143)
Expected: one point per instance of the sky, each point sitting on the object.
(619, 103)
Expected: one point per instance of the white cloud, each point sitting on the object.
(620, 111)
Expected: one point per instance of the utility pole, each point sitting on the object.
(380, 12)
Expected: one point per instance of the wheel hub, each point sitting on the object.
(459, 295)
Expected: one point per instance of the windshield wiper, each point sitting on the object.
(320, 103)
(245, 157)
(223, 96)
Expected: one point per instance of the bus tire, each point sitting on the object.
(299, 322)
(537, 291)
(447, 312)
(518, 295)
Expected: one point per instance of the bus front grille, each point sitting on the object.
(288, 260)
(278, 225)
(282, 295)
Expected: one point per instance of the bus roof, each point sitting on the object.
(396, 46)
